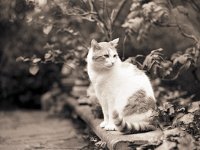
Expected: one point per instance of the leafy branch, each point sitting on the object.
(107, 24)
(141, 18)
(183, 33)
(118, 11)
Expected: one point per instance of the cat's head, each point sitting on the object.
(104, 54)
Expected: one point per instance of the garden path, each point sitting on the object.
(29, 130)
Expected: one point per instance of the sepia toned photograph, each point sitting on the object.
(99, 75)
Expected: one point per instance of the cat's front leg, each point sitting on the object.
(104, 123)
(104, 107)
(110, 126)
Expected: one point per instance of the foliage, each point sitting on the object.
(62, 18)
(143, 16)
(17, 85)
(39, 38)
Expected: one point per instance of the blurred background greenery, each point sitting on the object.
(44, 43)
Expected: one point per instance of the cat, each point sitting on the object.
(124, 92)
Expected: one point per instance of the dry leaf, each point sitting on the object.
(41, 2)
(29, 18)
(194, 107)
(47, 28)
(34, 69)
(186, 119)
(113, 14)
(19, 59)
(36, 60)
(166, 145)
(47, 55)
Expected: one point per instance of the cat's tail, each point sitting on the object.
(131, 127)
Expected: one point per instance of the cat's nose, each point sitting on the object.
(112, 62)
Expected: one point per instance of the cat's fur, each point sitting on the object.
(124, 92)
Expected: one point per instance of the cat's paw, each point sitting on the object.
(103, 124)
(110, 127)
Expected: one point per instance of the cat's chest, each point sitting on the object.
(113, 85)
(105, 85)
(120, 81)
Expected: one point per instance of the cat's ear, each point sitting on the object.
(95, 45)
(114, 42)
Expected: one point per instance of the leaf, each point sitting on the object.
(172, 132)
(41, 2)
(148, 9)
(166, 145)
(89, 17)
(113, 14)
(181, 139)
(175, 55)
(186, 119)
(186, 142)
(134, 24)
(47, 55)
(29, 18)
(34, 69)
(58, 51)
(101, 144)
(187, 65)
(182, 59)
(182, 9)
(36, 60)
(19, 59)
(161, 15)
(101, 26)
(194, 106)
(26, 59)
(135, 6)
(171, 110)
(47, 29)
(133, 14)
(153, 60)
(66, 69)
(167, 106)
(42, 17)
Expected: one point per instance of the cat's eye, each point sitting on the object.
(106, 55)
(115, 56)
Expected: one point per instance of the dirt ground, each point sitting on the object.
(29, 130)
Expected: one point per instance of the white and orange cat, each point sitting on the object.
(124, 92)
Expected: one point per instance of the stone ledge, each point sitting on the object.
(115, 140)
